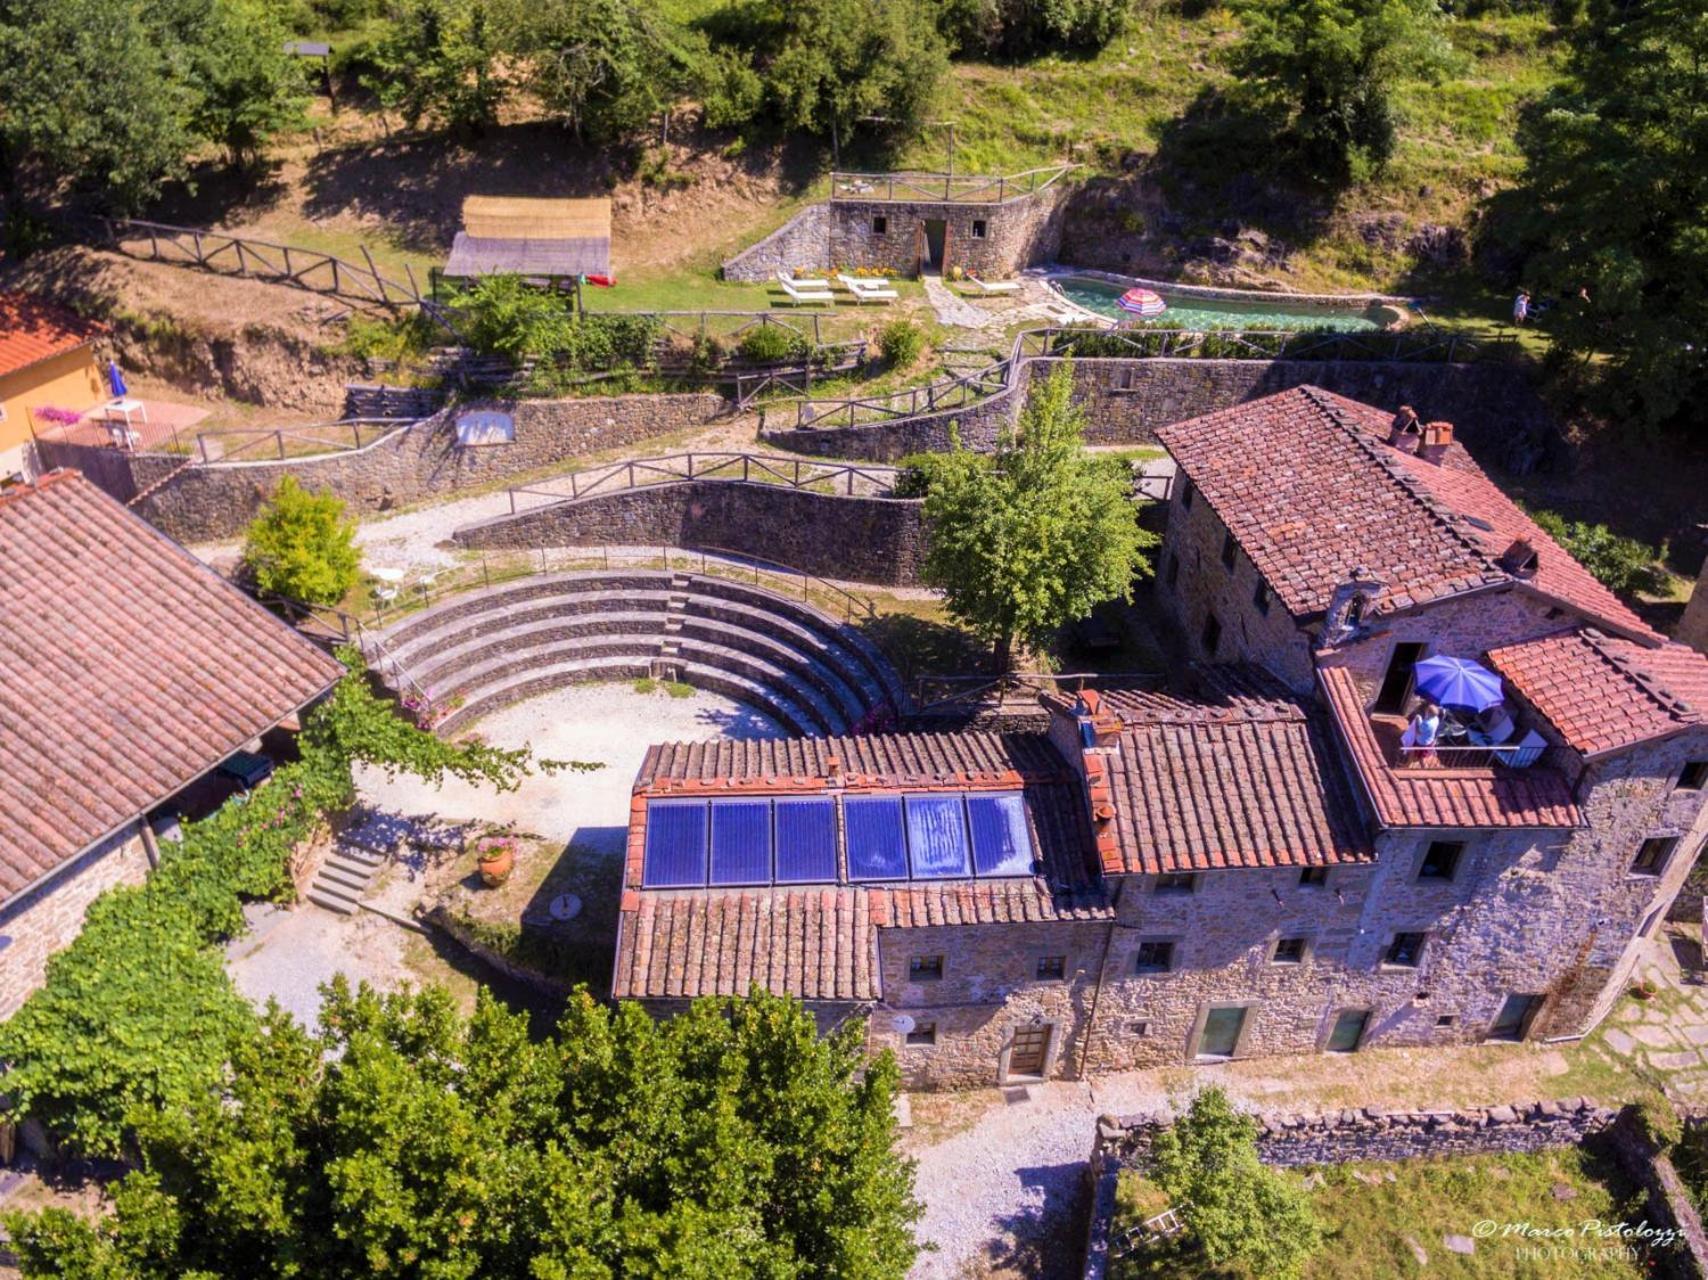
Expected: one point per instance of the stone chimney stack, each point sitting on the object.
(833, 769)
(1404, 428)
(1432, 446)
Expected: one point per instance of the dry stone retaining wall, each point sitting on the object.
(854, 538)
(802, 241)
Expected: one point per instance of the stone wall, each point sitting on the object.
(834, 536)
(206, 502)
(50, 917)
(992, 240)
(1693, 626)
(803, 241)
(1496, 411)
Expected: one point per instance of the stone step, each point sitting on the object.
(436, 665)
(332, 901)
(342, 877)
(518, 593)
(472, 628)
(353, 852)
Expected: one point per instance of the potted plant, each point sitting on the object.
(496, 859)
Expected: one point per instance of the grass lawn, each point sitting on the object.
(1378, 1216)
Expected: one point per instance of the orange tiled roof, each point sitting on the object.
(869, 760)
(1310, 489)
(33, 329)
(1534, 797)
(130, 669)
(1603, 694)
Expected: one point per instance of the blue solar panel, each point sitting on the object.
(675, 844)
(1001, 844)
(937, 837)
(806, 841)
(741, 842)
(876, 849)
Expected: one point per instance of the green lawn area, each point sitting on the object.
(1376, 1216)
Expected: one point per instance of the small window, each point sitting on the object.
(1185, 493)
(1176, 882)
(923, 1034)
(1173, 569)
(1313, 877)
(1212, 634)
(1694, 776)
(1052, 968)
(924, 968)
(1440, 860)
(1260, 596)
(1289, 951)
(1154, 957)
(1653, 855)
(1405, 951)
(880, 225)
(1230, 550)
(978, 228)
(1447, 1020)
(1142, 1027)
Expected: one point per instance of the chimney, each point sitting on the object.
(1432, 446)
(1520, 559)
(833, 769)
(1404, 426)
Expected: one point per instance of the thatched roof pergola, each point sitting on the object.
(540, 238)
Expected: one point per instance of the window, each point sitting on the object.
(1348, 1031)
(1260, 596)
(978, 228)
(923, 1034)
(1154, 957)
(880, 225)
(1052, 968)
(924, 968)
(1185, 493)
(1230, 550)
(1212, 634)
(1173, 569)
(1142, 1027)
(1176, 882)
(1289, 951)
(1313, 878)
(1653, 855)
(1405, 951)
(1447, 1020)
(1440, 860)
(1694, 776)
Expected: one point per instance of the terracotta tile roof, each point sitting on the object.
(1604, 694)
(1249, 778)
(870, 760)
(1533, 797)
(33, 329)
(1310, 489)
(130, 669)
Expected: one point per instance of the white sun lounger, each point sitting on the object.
(798, 296)
(994, 286)
(802, 282)
(869, 290)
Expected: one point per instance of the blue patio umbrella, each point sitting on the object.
(116, 380)
(1458, 683)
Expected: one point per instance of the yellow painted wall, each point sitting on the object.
(68, 381)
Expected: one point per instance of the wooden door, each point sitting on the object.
(1348, 1031)
(1220, 1036)
(1026, 1051)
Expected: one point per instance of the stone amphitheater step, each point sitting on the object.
(403, 634)
(440, 668)
(715, 614)
(344, 877)
(506, 615)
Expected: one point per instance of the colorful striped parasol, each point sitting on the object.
(1142, 302)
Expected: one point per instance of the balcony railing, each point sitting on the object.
(1512, 755)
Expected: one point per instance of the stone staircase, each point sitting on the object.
(487, 649)
(351, 866)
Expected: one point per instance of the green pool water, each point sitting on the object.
(1185, 312)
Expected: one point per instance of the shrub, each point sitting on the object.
(917, 473)
(773, 344)
(901, 341)
(506, 316)
(301, 547)
(1620, 564)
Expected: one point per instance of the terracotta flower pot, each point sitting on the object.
(496, 863)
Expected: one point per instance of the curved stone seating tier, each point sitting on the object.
(478, 652)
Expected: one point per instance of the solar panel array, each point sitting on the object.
(758, 840)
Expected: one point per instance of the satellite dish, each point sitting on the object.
(566, 906)
(902, 1024)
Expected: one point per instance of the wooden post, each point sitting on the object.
(379, 284)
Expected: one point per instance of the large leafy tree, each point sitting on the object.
(1617, 199)
(250, 88)
(1238, 1212)
(440, 61)
(406, 1140)
(1332, 65)
(605, 67)
(1032, 537)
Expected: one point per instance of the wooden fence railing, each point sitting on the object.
(954, 188)
(795, 473)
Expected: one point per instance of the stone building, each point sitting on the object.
(130, 671)
(1253, 860)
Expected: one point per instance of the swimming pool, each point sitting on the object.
(1188, 312)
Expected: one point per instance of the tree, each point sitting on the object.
(1616, 204)
(301, 547)
(404, 1139)
(251, 89)
(439, 61)
(1034, 537)
(1333, 63)
(605, 67)
(1237, 1210)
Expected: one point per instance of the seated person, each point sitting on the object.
(1492, 727)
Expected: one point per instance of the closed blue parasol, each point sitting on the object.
(116, 380)
(1458, 683)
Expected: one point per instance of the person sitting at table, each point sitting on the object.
(1423, 731)
(1493, 726)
